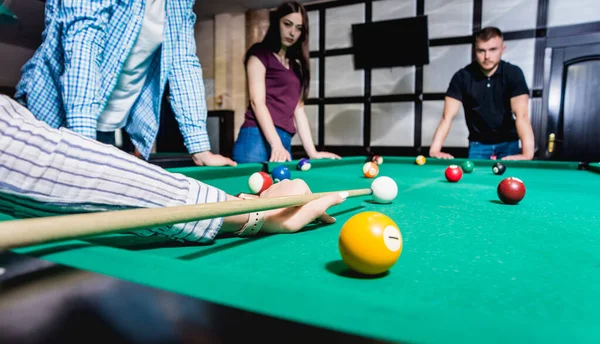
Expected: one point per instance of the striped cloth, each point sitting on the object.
(46, 171)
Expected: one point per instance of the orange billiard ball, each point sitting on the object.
(370, 243)
(420, 160)
(370, 169)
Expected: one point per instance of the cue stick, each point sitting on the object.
(30, 231)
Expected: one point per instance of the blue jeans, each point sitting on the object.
(478, 150)
(252, 146)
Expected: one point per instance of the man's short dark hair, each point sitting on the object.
(488, 33)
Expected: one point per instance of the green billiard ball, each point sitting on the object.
(467, 166)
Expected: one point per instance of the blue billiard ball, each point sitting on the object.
(304, 164)
(280, 173)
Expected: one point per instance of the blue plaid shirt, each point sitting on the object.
(69, 79)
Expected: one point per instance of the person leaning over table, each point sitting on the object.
(490, 90)
(104, 65)
(46, 171)
(278, 72)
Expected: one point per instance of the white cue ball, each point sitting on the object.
(384, 189)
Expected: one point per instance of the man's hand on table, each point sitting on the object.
(207, 158)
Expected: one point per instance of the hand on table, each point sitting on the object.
(516, 157)
(280, 154)
(207, 158)
(293, 219)
(324, 155)
(440, 155)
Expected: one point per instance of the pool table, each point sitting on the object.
(472, 269)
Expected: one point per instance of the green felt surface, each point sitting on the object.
(472, 269)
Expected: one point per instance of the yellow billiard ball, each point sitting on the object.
(420, 160)
(370, 243)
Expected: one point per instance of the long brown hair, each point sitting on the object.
(299, 52)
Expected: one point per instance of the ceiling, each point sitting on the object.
(27, 32)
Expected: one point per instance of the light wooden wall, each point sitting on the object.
(205, 49)
(257, 24)
(229, 76)
(221, 45)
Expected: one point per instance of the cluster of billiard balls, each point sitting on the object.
(510, 190)
(260, 181)
(384, 189)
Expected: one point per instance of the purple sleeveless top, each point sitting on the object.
(282, 88)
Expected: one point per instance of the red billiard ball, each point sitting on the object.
(453, 173)
(378, 159)
(511, 190)
(259, 182)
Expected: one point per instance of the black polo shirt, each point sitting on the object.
(486, 100)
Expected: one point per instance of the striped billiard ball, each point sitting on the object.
(378, 159)
(304, 164)
(259, 182)
(420, 160)
(370, 169)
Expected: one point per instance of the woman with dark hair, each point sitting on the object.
(278, 72)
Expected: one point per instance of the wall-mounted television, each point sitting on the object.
(391, 43)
